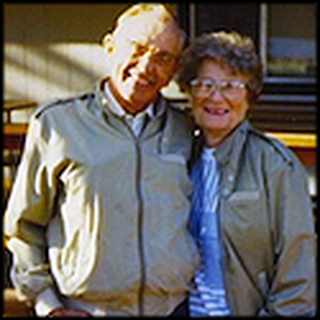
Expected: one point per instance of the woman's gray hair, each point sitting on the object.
(229, 49)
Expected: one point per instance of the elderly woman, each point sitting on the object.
(252, 215)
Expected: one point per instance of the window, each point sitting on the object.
(290, 32)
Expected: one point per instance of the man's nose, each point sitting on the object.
(146, 62)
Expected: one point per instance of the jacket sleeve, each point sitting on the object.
(292, 285)
(28, 213)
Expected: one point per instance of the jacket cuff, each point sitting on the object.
(46, 301)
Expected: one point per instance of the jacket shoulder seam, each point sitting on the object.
(61, 102)
(278, 146)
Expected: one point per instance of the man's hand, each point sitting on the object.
(67, 312)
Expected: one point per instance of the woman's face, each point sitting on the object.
(219, 100)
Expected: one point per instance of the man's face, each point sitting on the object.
(144, 58)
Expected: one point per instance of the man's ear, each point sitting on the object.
(108, 43)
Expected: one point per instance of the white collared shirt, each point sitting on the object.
(136, 122)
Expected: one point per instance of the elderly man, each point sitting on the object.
(97, 217)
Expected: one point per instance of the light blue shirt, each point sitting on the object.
(208, 297)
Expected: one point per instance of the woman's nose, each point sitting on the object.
(215, 93)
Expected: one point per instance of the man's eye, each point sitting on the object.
(139, 49)
(165, 58)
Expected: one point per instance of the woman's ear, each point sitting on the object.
(108, 43)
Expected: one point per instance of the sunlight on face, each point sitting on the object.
(143, 59)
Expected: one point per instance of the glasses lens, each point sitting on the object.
(208, 86)
(201, 86)
(231, 89)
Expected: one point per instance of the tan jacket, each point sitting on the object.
(267, 226)
(112, 208)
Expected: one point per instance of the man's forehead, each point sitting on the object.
(144, 25)
(145, 31)
(155, 13)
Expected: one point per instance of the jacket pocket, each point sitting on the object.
(245, 196)
(172, 157)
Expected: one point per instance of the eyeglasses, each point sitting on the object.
(207, 86)
(162, 58)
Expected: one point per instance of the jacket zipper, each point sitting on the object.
(222, 247)
(223, 251)
(140, 233)
(140, 240)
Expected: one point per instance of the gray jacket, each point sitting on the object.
(110, 208)
(267, 226)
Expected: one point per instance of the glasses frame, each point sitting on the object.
(206, 86)
(163, 59)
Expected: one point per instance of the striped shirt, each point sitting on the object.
(208, 297)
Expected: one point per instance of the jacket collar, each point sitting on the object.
(230, 149)
(228, 152)
(108, 101)
(100, 108)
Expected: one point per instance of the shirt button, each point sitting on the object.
(225, 192)
(231, 178)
